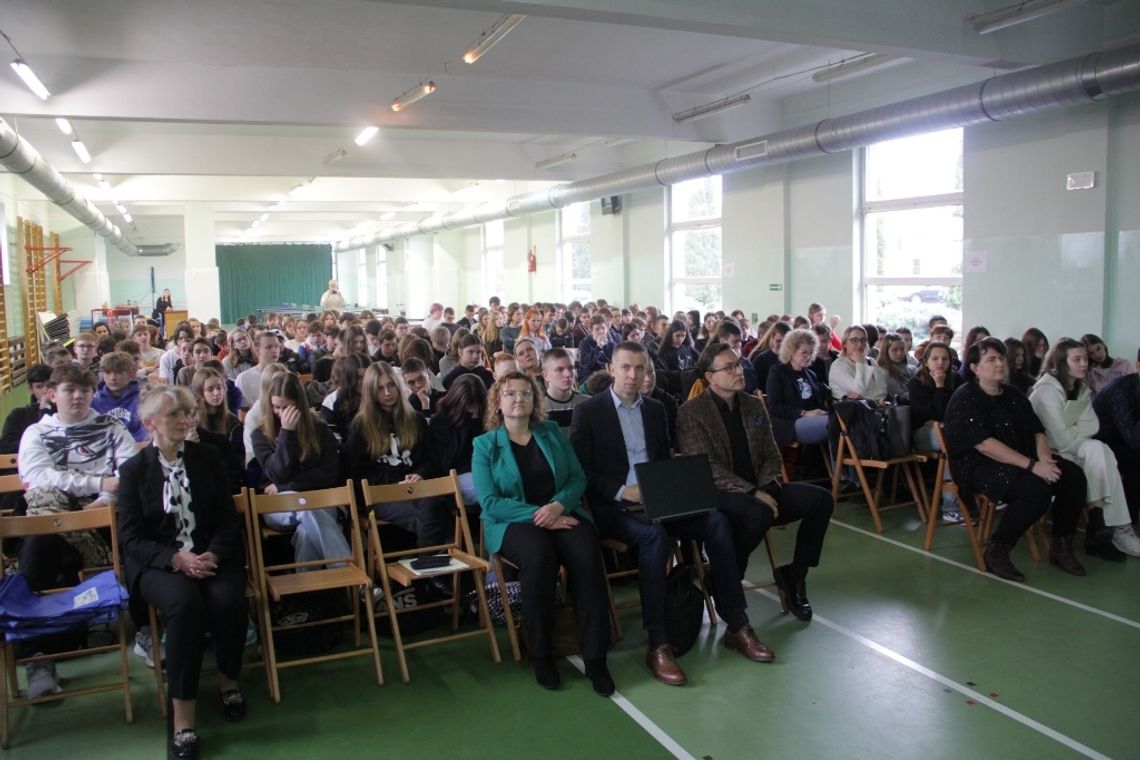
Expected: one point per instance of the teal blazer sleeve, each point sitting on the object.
(499, 486)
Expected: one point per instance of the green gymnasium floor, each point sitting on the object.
(910, 655)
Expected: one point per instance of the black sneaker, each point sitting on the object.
(184, 745)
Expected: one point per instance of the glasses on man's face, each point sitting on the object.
(512, 395)
(85, 346)
(730, 367)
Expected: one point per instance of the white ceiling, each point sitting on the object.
(235, 102)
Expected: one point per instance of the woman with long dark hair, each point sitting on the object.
(1036, 346)
(674, 356)
(457, 422)
(341, 404)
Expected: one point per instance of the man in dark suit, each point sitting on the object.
(613, 431)
(733, 429)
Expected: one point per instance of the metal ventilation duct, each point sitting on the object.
(1058, 85)
(21, 158)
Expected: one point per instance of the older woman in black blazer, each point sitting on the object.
(182, 540)
(797, 401)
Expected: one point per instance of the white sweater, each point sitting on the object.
(74, 458)
(865, 380)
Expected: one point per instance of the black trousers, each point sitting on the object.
(1128, 462)
(539, 552)
(430, 520)
(810, 505)
(191, 608)
(1028, 498)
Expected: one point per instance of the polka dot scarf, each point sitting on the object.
(176, 497)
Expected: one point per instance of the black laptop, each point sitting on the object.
(675, 488)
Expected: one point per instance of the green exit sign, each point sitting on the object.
(775, 286)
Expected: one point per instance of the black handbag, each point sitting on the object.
(684, 609)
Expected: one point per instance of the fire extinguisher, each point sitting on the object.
(531, 261)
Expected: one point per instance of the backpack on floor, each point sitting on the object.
(684, 609)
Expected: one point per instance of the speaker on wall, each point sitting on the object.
(611, 204)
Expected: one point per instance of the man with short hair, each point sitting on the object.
(20, 418)
(402, 328)
(386, 348)
(67, 461)
(594, 350)
(729, 333)
(267, 348)
(86, 349)
(561, 396)
(118, 395)
(468, 320)
(611, 433)
(733, 429)
(423, 398)
(149, 356)
(169, 361)
(449, 321)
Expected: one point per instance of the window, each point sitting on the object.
(381, 278)
(694, 244)
(493, 278)
(912, 231)
(574, 269)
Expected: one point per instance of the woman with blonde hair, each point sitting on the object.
(850, 376)
(388, 443)
(239, 356)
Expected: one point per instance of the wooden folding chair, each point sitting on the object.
(749, 586)
(395, 566)
(55, 524)
(846, 454)
(252, 594)
(8, 462)
(281, 580)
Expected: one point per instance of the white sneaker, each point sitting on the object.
(42, 679)
(142, 646)
(1124, 538)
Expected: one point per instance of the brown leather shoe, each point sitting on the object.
(745, 642)
(664, 666)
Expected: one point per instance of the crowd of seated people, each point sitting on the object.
(536, 405)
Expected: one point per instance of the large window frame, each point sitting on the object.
(677, 230)
(942, 289)
(493, 242)
(574, 228)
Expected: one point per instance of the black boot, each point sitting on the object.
(793, 588)
(998, 563)
(600, 678)
(546, 672)
(1098, 538)
(1061, 555)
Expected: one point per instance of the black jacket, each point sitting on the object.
(928, 402)
(282, 465)
(451, 445)
(19, 420)
(785, 404)
(147, 534)
(383, 471)
(595, 434)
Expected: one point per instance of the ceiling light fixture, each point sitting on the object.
(366, 134)
(30, 79)
(711, 109)
(81, 151)
(97, 177)
(63, 124)
(613, 142)
(120, 208)
(128, 218)
(1019, 13)
(255, 224)
(105, 185)
(550, 163)
(852, 67)
(263, 217)
(335, 156)
(491, 37)
(420, 91)
(387, 216)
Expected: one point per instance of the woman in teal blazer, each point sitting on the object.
(530, 485)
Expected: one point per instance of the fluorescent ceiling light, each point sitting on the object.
(550, 163)
(120, 208)
(81, 151)
(492, 36)
(263, 217)
(97, 177)
(30, 79)
(420, 91)
(853, 67)
(256, 222)
(1019, 13)
(335, 156)
(366, 134)
(387, 215)
(613, 142)
(105, 185)
(128, 218)
(711, 109)
(63, 124)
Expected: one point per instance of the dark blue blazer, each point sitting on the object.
(595, 433)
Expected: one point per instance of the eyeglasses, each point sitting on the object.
(856, 340)
(518, 394)
(731, 367)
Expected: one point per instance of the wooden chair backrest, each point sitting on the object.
(10, 483)
(325, 498)
(445, 486)
(64, 522)
(9, 461)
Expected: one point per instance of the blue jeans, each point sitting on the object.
(316, 534)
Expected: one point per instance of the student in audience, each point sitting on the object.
(386, 344)
(973, 335)
(388, 443)
(439, 340)
(340, 406)
(593, 350)
(423, 396)
(214, 415)
(452, 430)
(450, 359)
(1103, 369)
(1018, 376)
(1036, 346)
(560, 334)
(513, 327)
(68, 460)
(824, 354)
(19, 419)
(728, 331)
(527, 355)
(191, 568)
(649, 389)
(268, 349)
(537, 522)
(767, 352)
(733, 429)
(558, 380)
(532, 328)
(502, 363)
(851, 376)
(1117, 407)
(240, 356)
(298, 452)
(117, 396)
(1062, 402)
(149, 356)
(313, 346)
(929, 392)
(298, 336)
(893, 361)
(470, 352)
(797, 402)
(675, 356)
(706, 332)
(434, 318)
(488, 332)
(168, 364)
(200, 351)
(999, 448)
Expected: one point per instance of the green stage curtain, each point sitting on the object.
(268, 276)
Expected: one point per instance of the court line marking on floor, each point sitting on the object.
(651, 728)
(1021, 586)
(978, 697)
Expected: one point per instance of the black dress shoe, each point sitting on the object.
(233, 705)
(998, 562)
(600, 677)
(1098, 543)
(794, 591)
(184, 745)
(546, 672)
